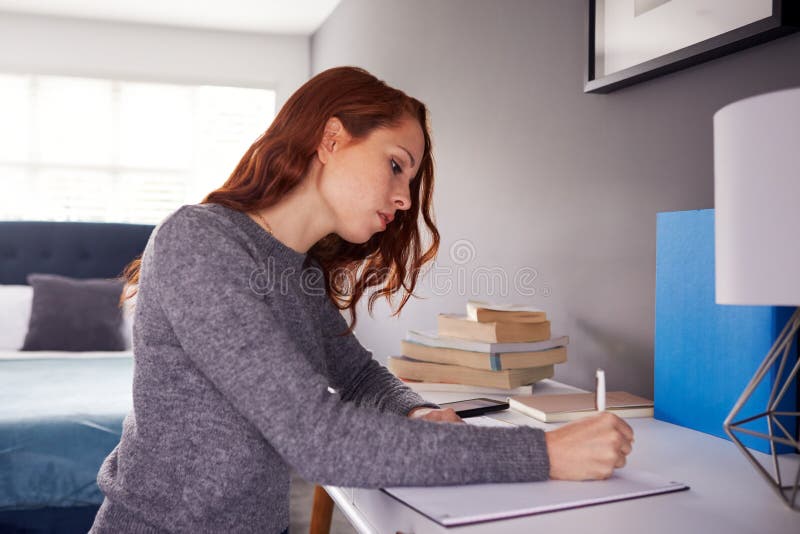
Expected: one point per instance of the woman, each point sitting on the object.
(244, 364)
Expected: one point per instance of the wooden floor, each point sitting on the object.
(300, 510)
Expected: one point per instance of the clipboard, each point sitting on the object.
(462, 505)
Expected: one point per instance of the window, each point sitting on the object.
(110, 150)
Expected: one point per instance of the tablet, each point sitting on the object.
(475, 407)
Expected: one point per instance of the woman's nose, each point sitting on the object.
(402, 197)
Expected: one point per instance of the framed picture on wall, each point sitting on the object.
(631, 41)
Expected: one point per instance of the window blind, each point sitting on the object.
(119, 151)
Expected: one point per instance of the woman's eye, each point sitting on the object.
(395, 167)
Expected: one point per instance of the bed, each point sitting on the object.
(60, 412)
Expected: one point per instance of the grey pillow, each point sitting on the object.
(74, 315)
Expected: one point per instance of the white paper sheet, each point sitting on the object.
(460, 505)
(487, 421)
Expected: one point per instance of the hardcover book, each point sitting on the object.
(410, 369)
(484, 360)
(421, 387)
(431, 338)
(461, 326)
(484, 312)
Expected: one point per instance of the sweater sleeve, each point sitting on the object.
(357, 376)
(240, 341)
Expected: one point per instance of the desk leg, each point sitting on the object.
(321, 512)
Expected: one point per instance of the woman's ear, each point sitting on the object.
(333, 136)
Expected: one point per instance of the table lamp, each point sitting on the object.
(757, 246)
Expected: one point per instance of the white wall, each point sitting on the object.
(535, 173)
(53, 45)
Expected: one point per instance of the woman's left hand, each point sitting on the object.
(437, 415)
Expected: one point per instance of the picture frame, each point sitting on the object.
(631, 41)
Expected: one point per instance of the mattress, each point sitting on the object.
(60, 416)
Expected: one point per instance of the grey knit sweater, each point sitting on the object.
(235, 348)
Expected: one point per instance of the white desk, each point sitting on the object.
(726, 495)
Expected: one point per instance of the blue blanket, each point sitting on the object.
(59, 419)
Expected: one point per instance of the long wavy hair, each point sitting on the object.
(279, 159)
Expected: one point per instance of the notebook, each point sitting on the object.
(462, 505)
(559, 408)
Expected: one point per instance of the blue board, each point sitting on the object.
(705, 353)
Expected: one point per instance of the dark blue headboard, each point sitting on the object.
(75, 249)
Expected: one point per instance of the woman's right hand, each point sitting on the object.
(589, 449)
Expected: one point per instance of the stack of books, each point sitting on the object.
(501, 349)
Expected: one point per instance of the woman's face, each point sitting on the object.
(365, 181)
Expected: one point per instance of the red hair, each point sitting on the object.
(278, 161)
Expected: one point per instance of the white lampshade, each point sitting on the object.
(757, 200)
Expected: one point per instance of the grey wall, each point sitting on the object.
(535, 174)
(143, 52)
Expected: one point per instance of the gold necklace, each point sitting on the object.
(264, 223)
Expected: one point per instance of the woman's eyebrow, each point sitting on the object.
(413, 163)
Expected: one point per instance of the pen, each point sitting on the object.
(600, 391)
